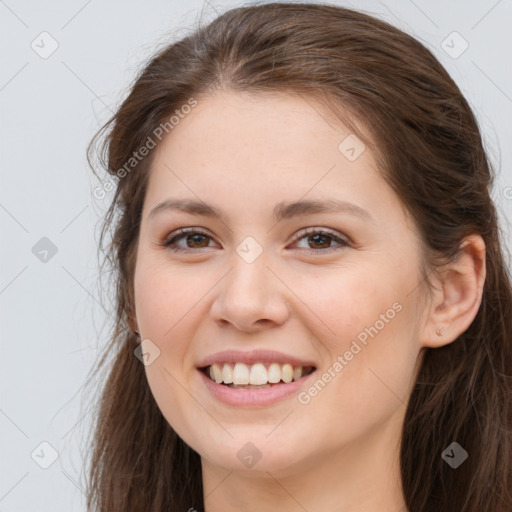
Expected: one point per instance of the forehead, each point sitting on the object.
(277, 121)
(256, 134)
(251, 150)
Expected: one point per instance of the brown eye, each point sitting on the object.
(194, 239)
(321, 240)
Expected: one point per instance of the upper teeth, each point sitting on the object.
(255, 374)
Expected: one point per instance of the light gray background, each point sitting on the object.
(52, 320)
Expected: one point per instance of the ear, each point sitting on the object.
(457, 295)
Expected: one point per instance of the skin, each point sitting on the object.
(243, 154)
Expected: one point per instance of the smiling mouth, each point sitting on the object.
(257, 376)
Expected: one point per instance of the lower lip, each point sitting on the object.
(253, 397)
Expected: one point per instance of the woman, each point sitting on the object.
(313, 309)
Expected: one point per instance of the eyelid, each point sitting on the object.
(326, 231)
(178, 233)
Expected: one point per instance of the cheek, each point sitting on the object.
(163, 296)
(170, 306)
(165, 310)
(342, 302)
(176, 404)
(366, 317)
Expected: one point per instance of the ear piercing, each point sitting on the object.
(439, 332)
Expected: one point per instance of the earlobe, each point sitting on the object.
(458, 295)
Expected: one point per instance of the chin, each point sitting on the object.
(254, 457)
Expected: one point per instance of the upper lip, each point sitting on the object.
(252, 357)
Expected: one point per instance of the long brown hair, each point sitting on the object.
(430, 152)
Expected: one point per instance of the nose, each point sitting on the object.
(251, 297)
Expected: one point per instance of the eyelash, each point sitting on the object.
(173, 237)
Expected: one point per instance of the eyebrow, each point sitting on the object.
(282, 210)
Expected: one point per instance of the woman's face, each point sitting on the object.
(343, 297)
